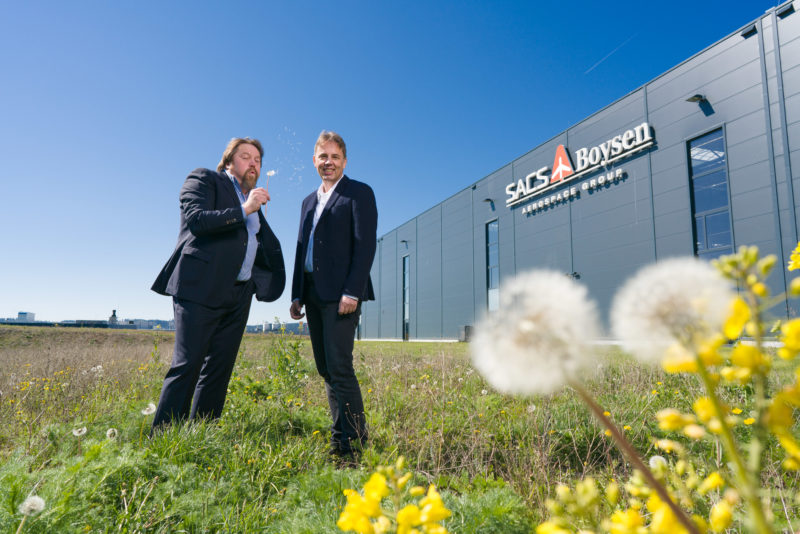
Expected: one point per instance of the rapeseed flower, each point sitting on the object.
(721, 516)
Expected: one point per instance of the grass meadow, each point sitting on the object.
(263, 466)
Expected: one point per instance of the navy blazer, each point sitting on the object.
(344, 243)
(212, 243)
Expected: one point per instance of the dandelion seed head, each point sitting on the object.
(112, 433)
(657, 462)
(32, 505)
(271, 173)
(484, 391)
(679, 300)
(78, 432)
(150, 409)
(531, 408)
(541, 340)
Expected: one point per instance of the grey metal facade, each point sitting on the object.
(751, 83)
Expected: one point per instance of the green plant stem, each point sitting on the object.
(19, 528)
(745, 481)
(625, 446)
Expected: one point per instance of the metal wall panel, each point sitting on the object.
(429, 274)
(389, 300)
(457, 264)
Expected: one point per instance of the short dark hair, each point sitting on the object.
(328, 135)
(233, 146)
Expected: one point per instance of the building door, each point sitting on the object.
(406, 296)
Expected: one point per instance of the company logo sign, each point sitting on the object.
(587, 160)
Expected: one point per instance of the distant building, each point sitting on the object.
(26, 317)
(699, 161)
(113, 319)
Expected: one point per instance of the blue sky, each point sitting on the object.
(107, 106)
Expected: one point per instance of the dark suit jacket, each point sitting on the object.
(344, 243)
(212, 243)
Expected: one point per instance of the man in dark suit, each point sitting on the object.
(335, 249)
(226, 252)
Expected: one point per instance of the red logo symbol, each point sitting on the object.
(562, 167)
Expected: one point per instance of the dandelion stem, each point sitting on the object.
(625, 446)
(19, 528)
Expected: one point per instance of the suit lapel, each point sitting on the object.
(340, 187)
(227, 185)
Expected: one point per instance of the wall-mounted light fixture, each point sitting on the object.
(404, 241)
(696, 98)
(490, 201)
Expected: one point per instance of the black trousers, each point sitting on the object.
(206, 344)
(332, 336)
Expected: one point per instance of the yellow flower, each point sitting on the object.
(704, 409)
(550, 527)
(382, 525)
(433, 508)
(607, 413)
(403, 480)
(408, 517)
(672, 419)
(612, 493)
(662, 519)
(750, 357)
(736, 411)
(375, 489)
(694, 431)
(721, 516)
(749, 421)
(677, 359)
(712, 482)
(625, 522)
(794, 259)
(626, 427)
(791, 339)
(667, 445)
(760, 289)
(739, 315)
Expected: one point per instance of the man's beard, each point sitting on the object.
(249, 180)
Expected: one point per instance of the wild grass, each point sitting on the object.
(263, 466)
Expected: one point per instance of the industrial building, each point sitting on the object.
(698, 161)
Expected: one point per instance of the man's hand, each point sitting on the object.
(295, 310)
(255, 199)
(347, 305)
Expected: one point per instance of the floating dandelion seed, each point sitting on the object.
(112, 433)
(546, 341)
(151, 409)
(681, 300)
(32, 505)
(78, 432)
